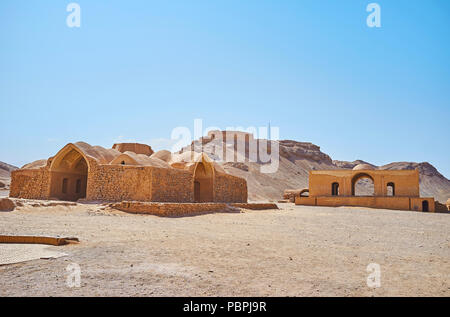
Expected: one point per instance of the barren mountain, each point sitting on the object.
(5, 174)
(297, 159)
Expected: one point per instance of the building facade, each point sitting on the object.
(92, 173)
(390, 189)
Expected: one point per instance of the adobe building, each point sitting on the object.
(127, 172)
(392, 189)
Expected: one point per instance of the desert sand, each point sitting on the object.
(294, 251)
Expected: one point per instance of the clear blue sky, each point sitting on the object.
(137, 69)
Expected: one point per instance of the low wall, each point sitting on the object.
(170, 209)
(307, 201)
(397, 203)
(255, 206)
(37, 240)
(185, 209)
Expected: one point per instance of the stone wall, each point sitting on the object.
(119, 182)
(172, 185)
(170, 209)
(230, 189)
(30, 183)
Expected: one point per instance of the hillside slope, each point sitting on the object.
(5, 173)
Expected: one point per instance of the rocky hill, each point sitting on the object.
(298, 158)
(5, 174)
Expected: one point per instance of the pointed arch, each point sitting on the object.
(203, 181)
(69, 174)
(361, 189)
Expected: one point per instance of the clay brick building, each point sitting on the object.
(128, 171)
(390, 189)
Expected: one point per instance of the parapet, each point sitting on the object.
(137, 148)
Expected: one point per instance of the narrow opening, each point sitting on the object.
(425, 205)
(64, 185)
(203, 183)
(391, 189)
(335, 189)
(123, 162)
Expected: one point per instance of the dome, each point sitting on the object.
(361, 167)
(162, 155)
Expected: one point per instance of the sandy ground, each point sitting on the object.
(295, 251)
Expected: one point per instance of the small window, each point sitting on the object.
(64, 185)
(335, 189)
(78, 186)
(390, 189)
(123, 162)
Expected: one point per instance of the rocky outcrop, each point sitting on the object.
(6, 169)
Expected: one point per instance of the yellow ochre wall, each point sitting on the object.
(406, 182)
(407, 196)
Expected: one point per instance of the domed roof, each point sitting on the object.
(131, 158)
(162, 155)
(361, 167)
(35, 165)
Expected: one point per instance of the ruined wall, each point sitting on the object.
(119, 182)
(170, 209)
(133, 147)
(30, 183)
(172, 185)
(228, 188)
(399, 203)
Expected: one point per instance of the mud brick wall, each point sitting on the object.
(172, 185)
(170, 209)
(117, 182)
(230, 189)
(255, 206)
(30, 183)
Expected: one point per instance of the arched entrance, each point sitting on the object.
(425, 206)
(203, 182)
(363, 185)
(390, 189)
(69, 171)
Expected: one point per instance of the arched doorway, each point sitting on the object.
(203, 182)
(362, 185)
(69, 171)
(425, 206)
(390, 189)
